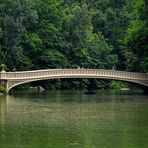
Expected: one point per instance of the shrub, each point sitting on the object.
(117, 84)
(3, 90)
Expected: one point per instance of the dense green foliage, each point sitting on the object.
(3, 91)
(118, 85)
(136, 39)
(42, 34)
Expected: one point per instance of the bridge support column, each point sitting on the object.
(4, 84)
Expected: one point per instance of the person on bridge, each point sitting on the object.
(14, 69)
(78, 67)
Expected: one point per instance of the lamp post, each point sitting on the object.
(2, 67)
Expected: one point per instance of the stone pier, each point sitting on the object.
(3, 84)
(3, 80)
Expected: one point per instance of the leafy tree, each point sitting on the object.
(87, 49)
(14, 14)
(1, 35)
(136, 38)
(46, 40)
(41, 34)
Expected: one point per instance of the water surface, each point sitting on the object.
(71, 119)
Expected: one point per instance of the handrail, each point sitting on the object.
(72, 72)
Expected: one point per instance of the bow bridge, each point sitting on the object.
(9, 80)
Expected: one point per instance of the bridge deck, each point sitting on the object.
(51, 72)
(11, 79)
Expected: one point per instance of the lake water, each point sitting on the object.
(72, 119)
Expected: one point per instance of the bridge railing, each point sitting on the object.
(72, 72)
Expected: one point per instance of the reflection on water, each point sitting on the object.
(67, 119)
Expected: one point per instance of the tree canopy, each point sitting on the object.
(41, 34)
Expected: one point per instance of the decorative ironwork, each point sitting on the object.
(17, 78)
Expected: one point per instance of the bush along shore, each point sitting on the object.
(3, 91)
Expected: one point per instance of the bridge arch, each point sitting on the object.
(17, 78)
(29, 81)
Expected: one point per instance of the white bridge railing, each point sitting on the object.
(71, 72)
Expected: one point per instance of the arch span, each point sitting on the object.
(13, 79)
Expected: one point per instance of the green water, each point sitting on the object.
(71, 119)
